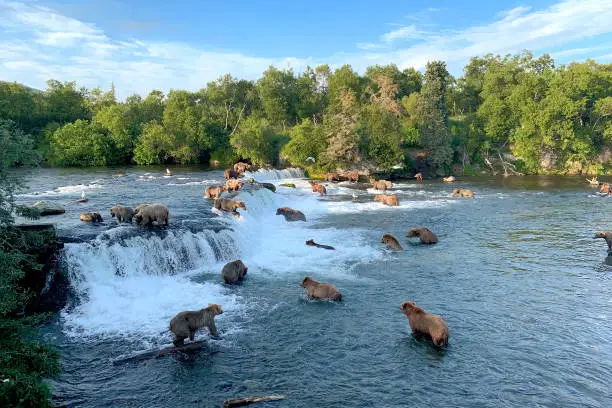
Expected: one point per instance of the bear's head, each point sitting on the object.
(386, 238)
(310, 242)
(214, 308)
(240, 204)
(414, 232)
(113, 211)
(408, 307)
(307, 281)
(281, 211)
(600, 234)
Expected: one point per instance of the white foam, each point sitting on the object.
(140, 306)
(273, 174)
(64, 190)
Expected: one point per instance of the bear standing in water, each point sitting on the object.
(186, 324)
(425, 235)
(425, 323)
(320, 290)
(391, 242)
(233, 271)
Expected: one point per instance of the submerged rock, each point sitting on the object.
(45, 208)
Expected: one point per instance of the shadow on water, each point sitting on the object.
(523, 287)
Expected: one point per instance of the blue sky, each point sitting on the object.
(144, 45)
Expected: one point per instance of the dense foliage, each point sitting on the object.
(515, 112)
(24, 360)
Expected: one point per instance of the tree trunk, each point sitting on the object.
(241, 402)
(191, 347)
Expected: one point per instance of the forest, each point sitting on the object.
(516, 114)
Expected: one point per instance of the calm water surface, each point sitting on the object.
(516, 275)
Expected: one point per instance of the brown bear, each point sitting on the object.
(140, 207)
(380, 184)
(224, 204)
(91, 217)
(352, 176)
(123, 214)
(332, 176)
(147, 214)
(214, 191)
(605, 189)
(463, 192)
(449, 179)
(230, 174)
(320, 290)
(215, 163)
(233, 185)
(391, 242)
(419, 177)
(233, 271)
(317, 188)
(607, 235)
(241, 167)
(311, 242)
(425, 235)
(186, 324)
(425, 323)
(391, 200)
(291, 214)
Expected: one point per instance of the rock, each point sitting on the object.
(46, 208)
(289, 185)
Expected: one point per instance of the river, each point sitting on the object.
(516, 275)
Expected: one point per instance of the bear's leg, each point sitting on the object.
(179, 341)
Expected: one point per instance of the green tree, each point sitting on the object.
(306, 140)
(380, 136)
(154, 145)
(119, 128)
(25, 360)
(340, 128)
(253, 141)
(82, 144)
(340, 81)
(279, 96)
(64, 103)
(433, 116)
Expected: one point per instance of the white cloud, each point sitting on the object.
(404, 33)
(38, 44)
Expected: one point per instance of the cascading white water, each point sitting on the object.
(130, 282)
(274, 174)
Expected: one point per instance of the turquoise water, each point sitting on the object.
(516, 275)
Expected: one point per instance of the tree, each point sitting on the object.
(433, 116)
(380, 136)
(154, 145)
(116, 120)
(98, 100)
(310, 101)
(182, 116)
(253, 141)
(25, 361)
(342, 150)
(82, 144)
(306, 140)
(279, 97)
(64, 103)
(342, 80)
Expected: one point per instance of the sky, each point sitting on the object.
(143, 45)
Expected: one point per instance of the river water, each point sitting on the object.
(516, 275)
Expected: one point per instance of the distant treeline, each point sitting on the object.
(517, 112)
